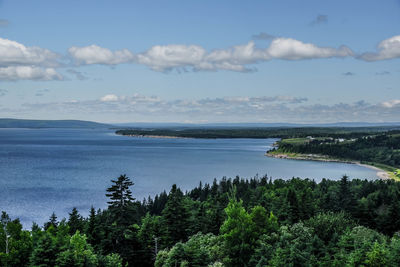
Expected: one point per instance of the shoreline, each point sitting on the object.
(381, 173)
(153, 136)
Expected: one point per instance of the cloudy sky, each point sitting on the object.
(201, 61)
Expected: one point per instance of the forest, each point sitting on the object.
(231, 222)
(381, 148)
(262, 132)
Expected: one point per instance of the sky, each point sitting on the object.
(201, 61)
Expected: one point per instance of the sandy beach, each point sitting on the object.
(384, 175)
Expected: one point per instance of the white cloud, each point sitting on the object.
(94, 54)
(236, 58)
(391, 103)
(109, 98)
(291, 49)
(387, 49)
(14, 73)
(194, 57)
(15, 54)
(161, 58)
(225, 109)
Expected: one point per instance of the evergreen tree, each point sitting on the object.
(52, 222)
(75, 222)
(176, 217)
(119, 193)
(45, 253)
(121, 201)
(237, 232)
(92, 228)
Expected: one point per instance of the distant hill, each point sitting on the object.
(19, 123)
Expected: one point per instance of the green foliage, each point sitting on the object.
(383, 148)
(111, 260)
(15, 244)
(260, 132)
(78, 253)
(199, 250)
(235, 222)
(45, 252)
(175, 217)
(75, 222)
(119, 192)
(294, 246)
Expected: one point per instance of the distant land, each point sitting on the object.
(26, 123)
(155, 125)
(20, 123)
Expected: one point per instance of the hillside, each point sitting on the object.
(20, 123)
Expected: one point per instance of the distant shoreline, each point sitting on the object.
(154, 136)
(381, 173)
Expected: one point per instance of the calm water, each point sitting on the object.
(46, 170)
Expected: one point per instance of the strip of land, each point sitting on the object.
(379, 152)
(383, 174)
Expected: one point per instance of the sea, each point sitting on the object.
(53, 170)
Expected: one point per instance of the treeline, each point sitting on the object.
(234, 222)
(273, 132)
(380, 148)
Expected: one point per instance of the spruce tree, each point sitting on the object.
(75, 222)
(52, 222)
(176, 217)
(121, 200)
(119, 192)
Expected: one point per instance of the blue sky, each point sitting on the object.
(200, 61)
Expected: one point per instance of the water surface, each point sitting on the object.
(46, 170)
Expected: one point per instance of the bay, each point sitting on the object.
(46, 170)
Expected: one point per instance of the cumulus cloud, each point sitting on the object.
(94, 54)
(236, 58)
(19, 62)
(161, 58)
(391, 103)
(320, 19)
(15, 54)
(387, 49)
(291, 49)
(15, 73)
(194, 57)
(109, 98)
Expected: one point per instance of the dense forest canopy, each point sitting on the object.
(233, 222)
(379, 148)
